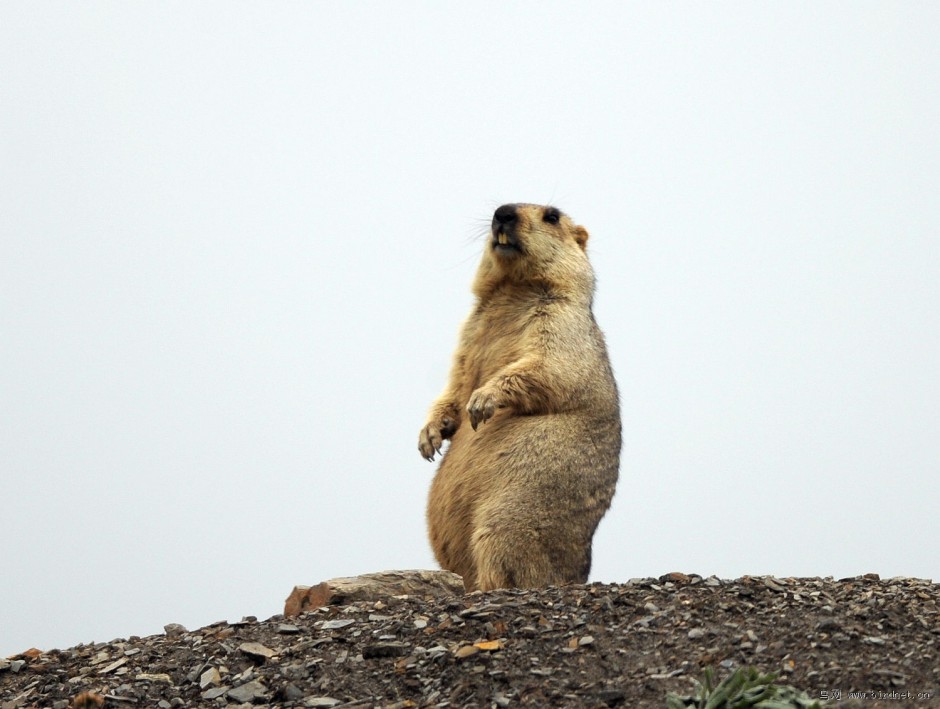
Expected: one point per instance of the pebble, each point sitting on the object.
(249, 692)
(154, 677)
(337, 624)
(113, 666)
(257, 650)
(292, 692)
(385, 649)
(214, 692)
(209, 677)
(466, 651)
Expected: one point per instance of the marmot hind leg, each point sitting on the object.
(507, 555)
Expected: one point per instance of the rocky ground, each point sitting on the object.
(602, 645)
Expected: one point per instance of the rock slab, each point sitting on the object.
(422, 583)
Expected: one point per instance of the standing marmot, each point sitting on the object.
(521, 489)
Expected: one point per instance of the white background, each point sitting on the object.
(238, 240)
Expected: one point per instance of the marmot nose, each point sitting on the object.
(505, 215)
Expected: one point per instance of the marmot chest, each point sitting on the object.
(501, 335)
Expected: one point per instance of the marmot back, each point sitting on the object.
(531, 411)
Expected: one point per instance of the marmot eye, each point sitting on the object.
(551, 215)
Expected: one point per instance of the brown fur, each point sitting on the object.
(531, 411)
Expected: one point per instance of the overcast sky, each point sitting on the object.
(238, 241)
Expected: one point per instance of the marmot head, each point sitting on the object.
(537, 245)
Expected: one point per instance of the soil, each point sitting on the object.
(601, 645)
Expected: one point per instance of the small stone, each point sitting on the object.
(611, 697)
(158, 677)
(292, 692)
(174, 630)
(214, 692)
(828, 625)
(17, 665)
(321, 702)
(696, 633)
(666, 675)
(420, 624)
(337, 624)
(257, 651)
(466, 651)
(586, 640)
(209, 677)
(874, 640)
(113, 666)
(244, 676)
(249, 692)
(774, 584)
(385, 649)
(287, 629)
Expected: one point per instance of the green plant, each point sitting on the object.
(746, 687)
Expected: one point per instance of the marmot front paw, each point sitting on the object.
(433, 434)
(481, 407)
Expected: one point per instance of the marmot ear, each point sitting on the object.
(581, 236)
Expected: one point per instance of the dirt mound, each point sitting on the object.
(578, 646)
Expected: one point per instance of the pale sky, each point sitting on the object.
(238, 240)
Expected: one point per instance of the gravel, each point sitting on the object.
(601, 645)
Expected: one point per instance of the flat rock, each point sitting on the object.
(257, 650)
(248, 692)
(373, 587)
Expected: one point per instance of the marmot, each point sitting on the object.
(521, 489)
